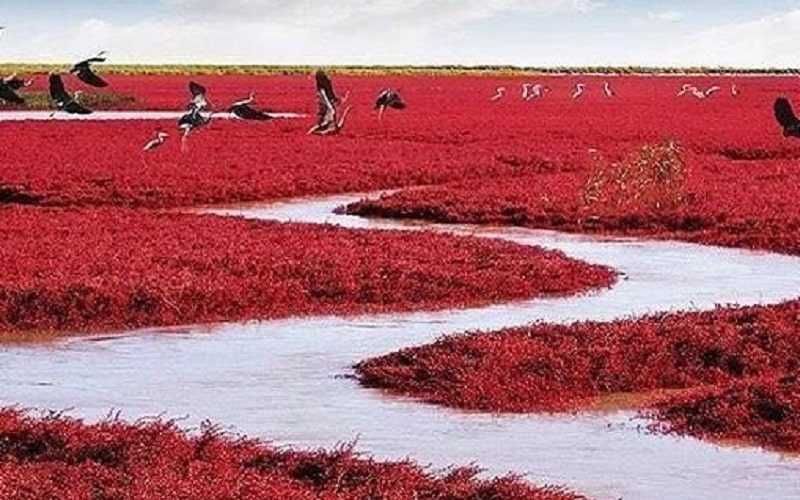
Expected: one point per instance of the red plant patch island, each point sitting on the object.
(547, 368)
(64, 458)
(108, 268)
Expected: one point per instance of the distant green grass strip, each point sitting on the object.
(213, 69)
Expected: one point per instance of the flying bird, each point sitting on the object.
(243, 110)
(579, 89)
(64, 101)
(388, 98)
(156, 142)
(83, 70)
(328, 121)
(786, 117)
(15, 83)
(499, 93)
(198, 93)
(190, 121)
(8, 87)
(608, 90)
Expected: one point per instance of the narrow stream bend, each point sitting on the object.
(281, 379)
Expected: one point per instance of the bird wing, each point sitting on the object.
(196, 89)
(246, 112)
(383, 99)
(57, 91)
(15, 83)
(326, 112)
(784, 113)
(86, 75)
(76, 108)
(7, 94)
(325, 85)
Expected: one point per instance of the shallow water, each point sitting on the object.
(282, 379)
(116, 115)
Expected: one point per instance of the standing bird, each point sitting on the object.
(499, 93)
(62, 99)
(537, 91)
(711, 90)
(607, 90)
(242, 109)
(526, 91)
(388, 98)
(734, 90)
(156, 142)
(190, 121)
(198, 93)
(83, 70)
(786, 117)
(686, 87)
(327, 114)
(579, 89)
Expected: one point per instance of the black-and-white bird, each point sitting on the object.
(156, 142)
(9, 86)
(785, 116)
(15, 83)
(388, 98)
(63, 100)
(198, 93)
(328, 121)
(242, 109)
(190, 121)
(83, 70)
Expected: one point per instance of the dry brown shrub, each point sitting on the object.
(652, 178)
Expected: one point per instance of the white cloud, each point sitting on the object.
(356, 13)
(667, 16)
(769, 41)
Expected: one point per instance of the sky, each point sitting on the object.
(745, 33)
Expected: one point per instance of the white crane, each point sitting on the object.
(686, 87)
(537, 91)
(579, 90)
(734, 90)
(156, 142)
(608, 90)
(499, 93)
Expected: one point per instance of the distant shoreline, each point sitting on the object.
(445, 70)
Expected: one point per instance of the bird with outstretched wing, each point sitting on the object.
(8, 88)
(327, 100)
(388, 98)
(83, 70)
(242, 109)
(198, 93)
(785, 116)
(63, 100)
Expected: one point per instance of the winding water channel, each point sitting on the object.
(282, 380)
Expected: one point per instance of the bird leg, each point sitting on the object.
(380, 112)
(344, 116)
